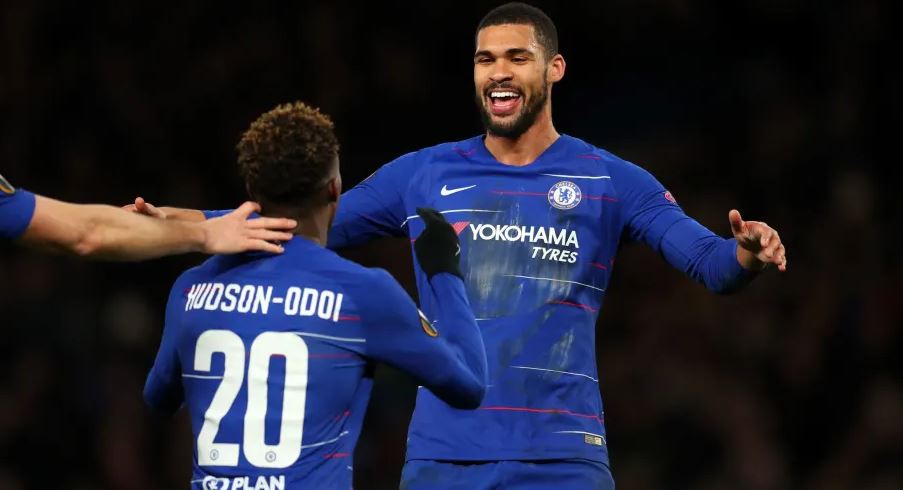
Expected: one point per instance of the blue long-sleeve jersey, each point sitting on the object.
(271, 356)
(16, 210)
(538, 246)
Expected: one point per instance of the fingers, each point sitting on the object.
(141, 205)
(270, 235)
(264, 246)
(773, 251)
(135, 207)
(246, 209)
(737, 226)
(148, 209)
(767, 236)
(272, 223)
(781, 258)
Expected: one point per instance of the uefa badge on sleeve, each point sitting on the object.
(5, 186)
(427, 326)
(565, 195)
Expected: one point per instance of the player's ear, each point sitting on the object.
(333, 189)
(556, 68)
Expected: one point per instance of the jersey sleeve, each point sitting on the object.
(163, 388)
(16, 210)
(652, 215)
(215, 213)
(374, 208)
(446, 356)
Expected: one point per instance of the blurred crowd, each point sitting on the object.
(787, 111)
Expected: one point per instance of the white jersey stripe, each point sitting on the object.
(329, 337)
(323, 443)
(409, 218)
(579, 432)
(555, 280)
(556, 371)
(591, 177)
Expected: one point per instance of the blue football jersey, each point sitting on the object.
(272, 354)
(16, 210)
(538, 247)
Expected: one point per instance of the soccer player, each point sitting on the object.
(271, 354)
(105, 232)
(540, 216)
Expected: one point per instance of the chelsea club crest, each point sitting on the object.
(565, 195)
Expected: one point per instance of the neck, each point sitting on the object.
(312, 224)
(315, 228)
(526, 148)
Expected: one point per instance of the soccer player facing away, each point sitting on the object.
(104, 232)
(271, 353)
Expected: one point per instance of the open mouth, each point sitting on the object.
(504, 101)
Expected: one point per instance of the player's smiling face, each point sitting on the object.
(512, 78)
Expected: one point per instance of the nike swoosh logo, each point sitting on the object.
(445, 191)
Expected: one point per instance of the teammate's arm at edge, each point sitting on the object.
(105, 232)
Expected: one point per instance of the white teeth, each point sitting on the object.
(503, 94)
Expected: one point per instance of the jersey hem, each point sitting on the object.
(510, 456)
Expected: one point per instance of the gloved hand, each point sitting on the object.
(437, 248)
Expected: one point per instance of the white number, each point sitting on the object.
(294, 393)
(211, 453)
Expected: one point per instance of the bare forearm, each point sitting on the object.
(116, 237)
(106, 232)
(183, 214)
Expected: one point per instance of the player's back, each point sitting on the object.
(271, 356)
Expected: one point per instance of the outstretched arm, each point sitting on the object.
(372, 209)
(652, 215)
(722, 265)
(106, 232)
(167, 212)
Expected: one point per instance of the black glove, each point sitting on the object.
(437, 247)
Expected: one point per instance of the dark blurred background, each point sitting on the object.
(787, 110)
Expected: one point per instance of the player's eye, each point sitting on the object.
(519, 60)
(484, 61)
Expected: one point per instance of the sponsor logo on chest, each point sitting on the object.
(549, 243)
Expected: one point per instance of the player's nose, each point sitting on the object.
(501, 72)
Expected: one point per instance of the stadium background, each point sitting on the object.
(787, 110)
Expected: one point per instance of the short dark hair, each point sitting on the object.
(521, 13)
(287, 154)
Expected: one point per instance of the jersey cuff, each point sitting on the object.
(736, 276)
(215, 213)
(20, 209)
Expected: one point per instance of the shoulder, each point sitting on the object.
(623, 173)
(374, 293)
(587, 151)
(364, 282)
(440, 151)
